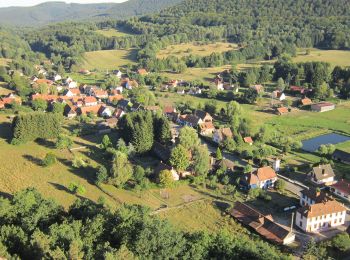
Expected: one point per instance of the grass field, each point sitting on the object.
(113, 33)
(186, 49)
(3, 90)
(344, 146)
(334, 57)
(108, 59)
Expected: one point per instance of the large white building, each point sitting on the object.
(321, 216)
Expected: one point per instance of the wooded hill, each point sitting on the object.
(51, 12)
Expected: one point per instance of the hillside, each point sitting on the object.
(59, 11)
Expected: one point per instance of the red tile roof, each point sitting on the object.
(115, 98)
(90, 109)
(90, 100)
(343, 186)
(44, 97)
(266, 173)
(248, 140)
(282, 110)
(306, 101)
(321, 209)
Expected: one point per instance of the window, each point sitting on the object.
(300, 224)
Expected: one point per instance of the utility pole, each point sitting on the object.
(291, 225)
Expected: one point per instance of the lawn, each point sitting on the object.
(334, 57)
(4, 62)
(3, 90)
(108, 32)
(95, 78)
(108, 59)
(186, 49)
(344, 146)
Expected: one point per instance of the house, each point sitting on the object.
(99, 93)
(278, 95)
(189, 120)
(222, 134)
(320, 216)
(114, 99)
(219, 83)
(161, 151)
(70, 111)
(118, 74)
(206, 128)
(89, 110)
(204, 116)
(117, 90)
(72, 92)
(124, 104)
(322, 175)
(169, 110)
(322, 107)
(118, 113)
(44, 81)
(151, 108)
(341, 189)
(72, 84)
(68, 80)
(48, 98)
(298, 90)
(195, 91)
(258, 88)
(181, 92)
(90, 101)
(306, 102)
(264, 225)
(105, 111)
(281, 111)
(161, 167)
(312, 196)
(112, 122)
(57, 77)
(341, 156)
(248, 140)
(224, 164)
(264, 178)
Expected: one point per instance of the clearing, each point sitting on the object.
(109, 32)
(194, 48)
(108, 59)
(334, 57)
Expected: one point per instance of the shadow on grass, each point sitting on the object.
(46, 143)
(6, 195)
(60, 187)
(5, 131)
(33, 159)
(86, 173)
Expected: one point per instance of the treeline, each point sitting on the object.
(32, 227)
(32, 126)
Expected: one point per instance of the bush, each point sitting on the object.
(50, 159)
(280, 185)
(341, 242)
(78, 162)
(101, 175)
(64, 142)
(76, 188)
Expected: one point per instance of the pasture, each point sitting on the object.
(195, 48)
(334, 57)
(108, 59)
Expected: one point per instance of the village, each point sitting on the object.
(323, 199)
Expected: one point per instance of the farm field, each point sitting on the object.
(95, 78)
(108, 59)
(186, 49)
(334, 57)
(113, 33)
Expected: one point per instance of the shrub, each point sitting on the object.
(101, 175)
(76, 188)
(50, 159)
(64, 142)
(78, 162)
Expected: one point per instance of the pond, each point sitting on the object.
(311, 145)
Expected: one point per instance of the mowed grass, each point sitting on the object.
(186, 49)
(108, 59)
(305, 124)
(344, 146)
(334, 57)
(113, 33)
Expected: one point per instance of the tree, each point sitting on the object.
(188, 138)
(101, 175)
(218, 154)
(49, 160)
(162, 131)
(280, 84)
(250, 96)
(280, 185)
(179, 158)
(341, 242)
(166, 179)
(39, 105)
(58, 108)
(64, 142)
(248, 168)
(121, 170)
(201, 161)
(76, 188)
(78, 162)
(106, 142)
